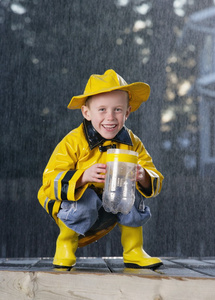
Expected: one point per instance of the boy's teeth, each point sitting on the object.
(110, 126)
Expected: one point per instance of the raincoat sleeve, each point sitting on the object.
(146, 162)
(60, 175)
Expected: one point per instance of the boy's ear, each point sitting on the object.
(85, 112)
(128, 112)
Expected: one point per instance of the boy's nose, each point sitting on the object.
(110, 115)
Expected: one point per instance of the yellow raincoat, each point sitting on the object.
(80, 149)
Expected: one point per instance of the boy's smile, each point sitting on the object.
(107, 112)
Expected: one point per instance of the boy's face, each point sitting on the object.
(107, 112)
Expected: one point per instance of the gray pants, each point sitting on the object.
(81, 215)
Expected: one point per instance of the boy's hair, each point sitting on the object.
(87, 102)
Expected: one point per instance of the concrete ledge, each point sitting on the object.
(106, 278)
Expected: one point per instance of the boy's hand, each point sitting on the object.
(92, 174)
(143, 177)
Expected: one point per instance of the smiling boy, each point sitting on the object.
(74, 177)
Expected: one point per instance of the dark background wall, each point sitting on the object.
(48, 50)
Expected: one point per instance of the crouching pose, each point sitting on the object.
(74, 177)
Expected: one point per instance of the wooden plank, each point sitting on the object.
(27, 285)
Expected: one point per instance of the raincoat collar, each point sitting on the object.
(95, 139)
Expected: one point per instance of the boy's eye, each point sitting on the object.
(118, 109)
(101, 109)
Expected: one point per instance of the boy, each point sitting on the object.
(74, 177)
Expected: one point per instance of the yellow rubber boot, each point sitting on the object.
(133, 254)
(66, 246)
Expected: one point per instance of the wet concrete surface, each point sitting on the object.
(173, 267)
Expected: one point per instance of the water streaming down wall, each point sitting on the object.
(47, 54)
